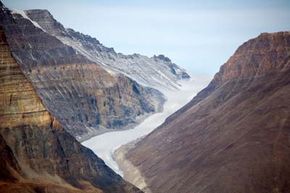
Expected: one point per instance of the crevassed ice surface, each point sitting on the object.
(104, 145)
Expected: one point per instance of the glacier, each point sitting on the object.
(104, 145)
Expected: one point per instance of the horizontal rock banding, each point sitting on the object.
(18, 105)
(85, 98)
(36, 153)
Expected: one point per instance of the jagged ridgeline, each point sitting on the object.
(86, 95)
(157, 71)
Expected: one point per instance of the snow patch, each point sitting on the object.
(24, 15)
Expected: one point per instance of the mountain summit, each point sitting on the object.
(234, 135)
(156, 72)
(86, 98)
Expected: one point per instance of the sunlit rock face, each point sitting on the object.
(234, 135)
(85, 98)
(157, 72)
(36, 153)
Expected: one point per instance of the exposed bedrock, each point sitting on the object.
(86, 99)
(36, 153)
(234, 135)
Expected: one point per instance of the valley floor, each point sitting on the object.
(104, 145)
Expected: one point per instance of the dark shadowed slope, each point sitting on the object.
(234, 135)
(36, 154)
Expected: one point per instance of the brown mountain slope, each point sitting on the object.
(86, 99)
(36, 153)
(234, 135)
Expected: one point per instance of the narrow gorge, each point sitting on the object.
(50, 87)
(77, 116)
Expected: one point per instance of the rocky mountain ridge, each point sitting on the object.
(85, 98)
(233, 136)
(156, 72)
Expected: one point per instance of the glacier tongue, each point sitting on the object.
(104, 145)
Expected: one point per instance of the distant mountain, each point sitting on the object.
(36, 153)
(234, 135)
(156, 72)
(80, 93)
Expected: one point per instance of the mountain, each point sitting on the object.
(156, 72)
(36, 153)
(234, 135)
(85, 98)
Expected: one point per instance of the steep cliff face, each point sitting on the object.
(85, 98)
(234, 135)
(36, 153)
(157, 71)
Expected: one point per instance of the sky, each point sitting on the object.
(198, 35)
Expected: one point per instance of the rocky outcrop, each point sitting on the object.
(85, 98)
(36, 153)
(234, 135)
(269, 53)
(156, 72)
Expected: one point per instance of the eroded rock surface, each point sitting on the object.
(157, 72)
(234, 135)
(85, 98)
(36, 153)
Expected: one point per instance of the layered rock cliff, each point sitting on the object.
(234, 135)
(85, 98)
(157, 72)
(36, 153)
